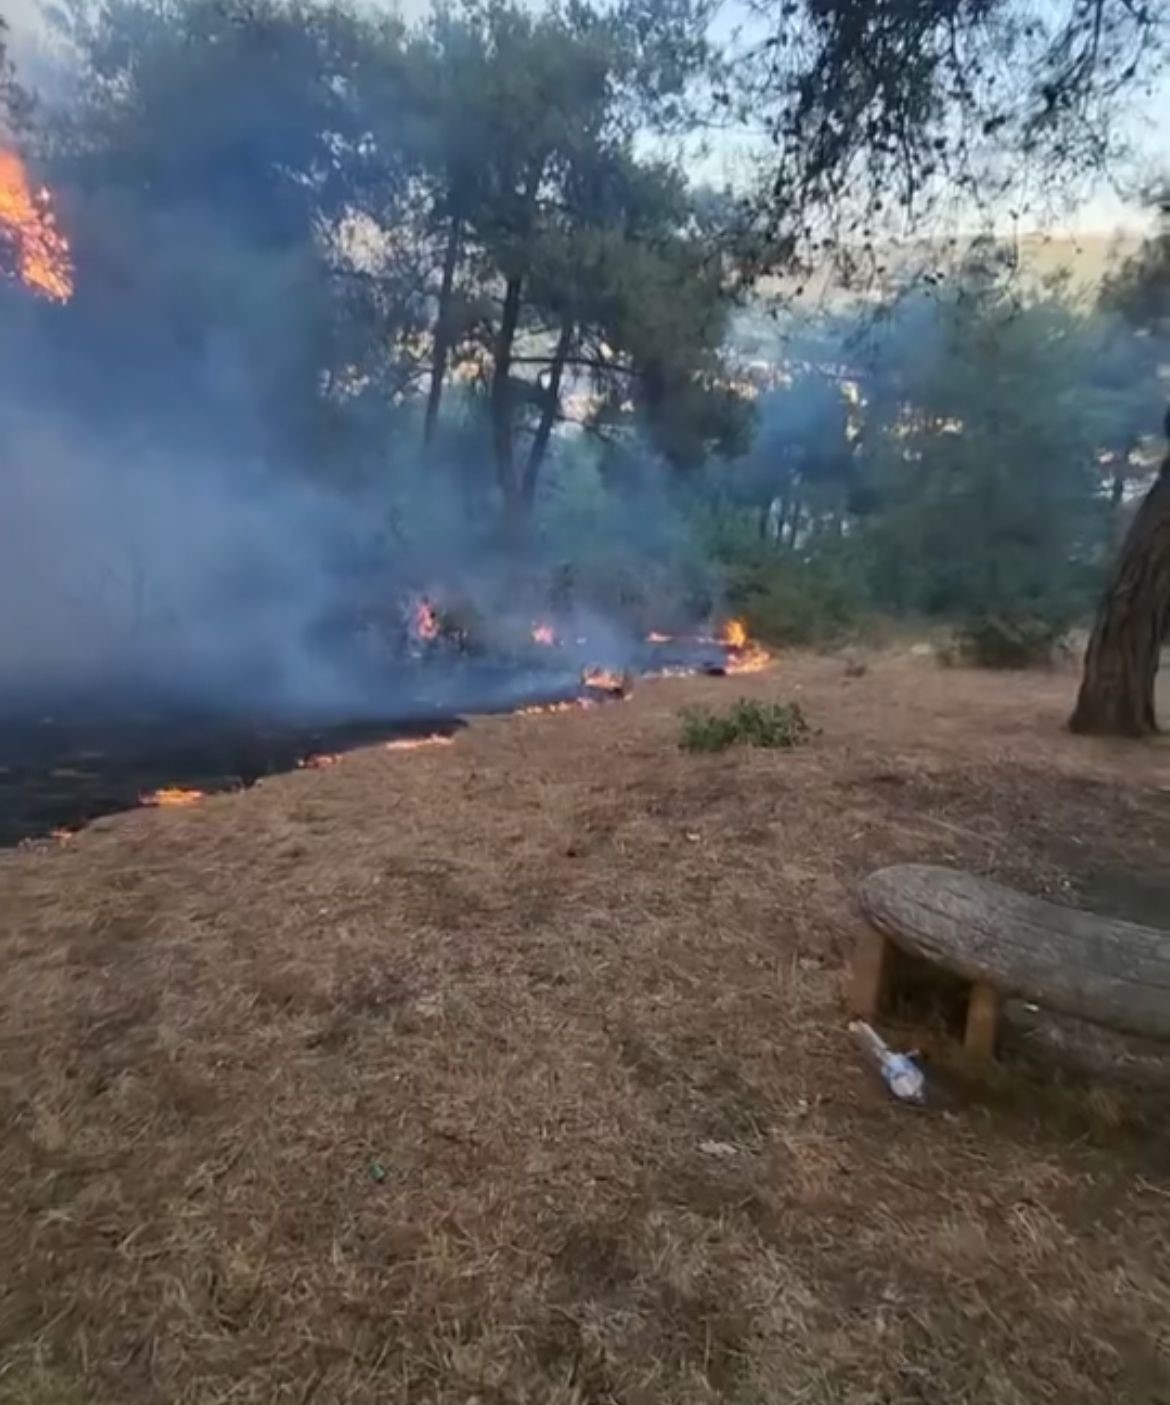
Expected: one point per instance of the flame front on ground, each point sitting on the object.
(39, 250)
(172, 796)
(605, 680)
(744, 655)
(413, 743)
(751, 659)
(544, 634)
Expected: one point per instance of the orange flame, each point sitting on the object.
(171, 795)
(734, 633)
(745, 656)
(655, 638)
(426, 620)
(605, 680)
(319, 761)
(41, 251)
(412, 743)
(544, 634)
(752, 659)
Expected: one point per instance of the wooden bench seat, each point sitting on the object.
(1099, 969)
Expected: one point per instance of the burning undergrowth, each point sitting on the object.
(59, 771)
(191, 599)
(185, 618)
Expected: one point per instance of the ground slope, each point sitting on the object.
(514, 1071)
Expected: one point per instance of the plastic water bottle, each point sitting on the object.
(899, 1072)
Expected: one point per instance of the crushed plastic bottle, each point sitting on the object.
(899, 1072)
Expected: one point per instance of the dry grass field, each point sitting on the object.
(515, 1070)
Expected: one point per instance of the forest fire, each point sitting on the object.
(171, 760)
(743, 656)
(728, 650)
(426, 621)
(753, 658)
(171, 797)
(319, 761)
(607, 680)
(39, 251)
(734, 634)
(413, 743)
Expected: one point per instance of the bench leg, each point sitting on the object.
(871, 965)
(982, 1021)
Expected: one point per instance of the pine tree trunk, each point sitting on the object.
(501, 401)
(548, 414)
(1121, 663)
(443, 329)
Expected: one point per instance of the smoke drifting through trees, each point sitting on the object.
(365, 309)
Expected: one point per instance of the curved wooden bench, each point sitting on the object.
(1099, 969)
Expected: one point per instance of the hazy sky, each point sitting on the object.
(1147, 124)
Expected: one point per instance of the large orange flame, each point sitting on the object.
(734, 633)
(40, 250)
(744, 656)
(171, 796)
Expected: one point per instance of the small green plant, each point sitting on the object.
(747, 723)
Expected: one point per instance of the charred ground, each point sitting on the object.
(515, 1070)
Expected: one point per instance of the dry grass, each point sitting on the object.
(514, 1071)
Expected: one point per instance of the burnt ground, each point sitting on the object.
(68, 759)
(515, 1071)
(61, 767)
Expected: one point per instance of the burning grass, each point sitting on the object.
(171, 797)
(414, 743)
(517, 1072)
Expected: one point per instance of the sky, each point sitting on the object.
(1101, 209)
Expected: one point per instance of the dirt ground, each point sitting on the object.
(515, 1071)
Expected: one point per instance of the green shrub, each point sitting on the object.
(1010, 641)
(747, 723)
(801, 604)
(788, 598)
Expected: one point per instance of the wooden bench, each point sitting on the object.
(1108, 972)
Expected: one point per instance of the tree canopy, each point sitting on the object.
(461, 259)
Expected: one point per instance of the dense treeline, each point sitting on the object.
(461, 263)
(970, 451)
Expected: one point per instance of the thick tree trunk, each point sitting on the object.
(501, 400)
(1121, 663)
(548, 414)
(443, 329)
